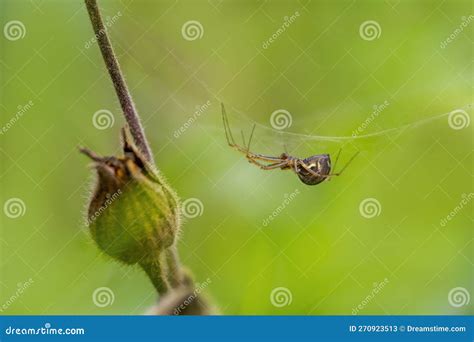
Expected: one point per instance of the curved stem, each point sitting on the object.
(111, 62)
(155, 272)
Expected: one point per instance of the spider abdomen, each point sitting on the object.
(320, 166)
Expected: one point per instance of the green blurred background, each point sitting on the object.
(319, 247)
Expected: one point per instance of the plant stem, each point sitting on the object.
(111, 62)
(155, 272)
(175, 273)
(163, 270)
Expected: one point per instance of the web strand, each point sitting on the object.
(350, 137)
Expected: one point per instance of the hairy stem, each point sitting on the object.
(175, 272)
(155, 272)
(111, 62)
(164, 270)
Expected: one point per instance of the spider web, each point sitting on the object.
(288, 135)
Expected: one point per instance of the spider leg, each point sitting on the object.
(246, 151)
(263, 157)
(337, 158)
(243, 137)
(228, 132)
(295, 165)
(347, 164)
(250, 139)
(335, 163)
(307, 168)
(270, 166)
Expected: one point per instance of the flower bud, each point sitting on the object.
(133, 214)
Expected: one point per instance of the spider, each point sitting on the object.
(311, 171)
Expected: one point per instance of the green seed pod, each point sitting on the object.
(133, 214)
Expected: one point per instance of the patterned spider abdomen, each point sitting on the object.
(320, 165)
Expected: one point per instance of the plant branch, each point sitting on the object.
(111, 62)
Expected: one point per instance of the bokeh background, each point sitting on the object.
(326, 74)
